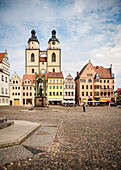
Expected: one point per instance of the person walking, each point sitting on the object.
(84, 107)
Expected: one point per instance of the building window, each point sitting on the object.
(18, 94)
(53, 87)
(101, 93)
(32, 70)
(2, 78)
(113, 87)
(60, 93)
(32, 57)
(86, 93)
(13, 94)
(96, 93)
(50, 87)
(72, 86)
(50, 81)
(82, 86)
(82, 80)
(53, 81)
(57, 93)
(28, 82)
(72, 93)
(42, 62)
(27, 94)
(82, 93)
(104, 81)
(60, 87)
(90, 86)
(86, 86)
(13, 81)
(50, 93)
(19, 88)
(96, 86)
(100, 87)
(57, 81)
(23, 101)
(107, 81)
(60, 81)
(23, 94)
(108, 93)
(23, 87)
(90, 93)
(53, 57)
(13, 87)
(53, 70)
(66, 93)
(17, 81)
(53, 93)
(6, 79)
(2, 90)
(89, 81)
(69, 86)
(104, 93)
(107, 87)
(30, 94)
(57, 87)
(6, 91)
(30, 88)
(25, 82)
(26, 87)
(100, 81)
(104, 87)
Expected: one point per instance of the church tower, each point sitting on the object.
(32, 55)
(53, 54)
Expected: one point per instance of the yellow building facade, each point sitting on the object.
(55, 88)
(15, 90)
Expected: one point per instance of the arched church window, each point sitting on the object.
(53, 57)
(53, 70)
(32, 57)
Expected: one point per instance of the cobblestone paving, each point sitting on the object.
(90, 140)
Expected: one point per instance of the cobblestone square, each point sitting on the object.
(83, 140)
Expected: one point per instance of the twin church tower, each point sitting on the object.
(38, 61)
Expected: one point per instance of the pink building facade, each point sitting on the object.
(94, 83)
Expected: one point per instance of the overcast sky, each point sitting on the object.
(86, 29)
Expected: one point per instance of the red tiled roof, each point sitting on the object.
(103, 72)
(28, 76)
(119, 89)
(55, 75)
(1, 56)
(43, 59)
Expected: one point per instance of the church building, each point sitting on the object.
(35, 62)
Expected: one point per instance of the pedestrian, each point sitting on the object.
(84, 107)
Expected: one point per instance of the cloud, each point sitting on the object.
(86, 30)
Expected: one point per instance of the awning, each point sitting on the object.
(106, 99)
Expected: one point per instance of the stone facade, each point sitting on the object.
(4, 80)
(38, 61)
(94, 83)
(69, 88)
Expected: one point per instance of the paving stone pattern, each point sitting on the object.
(90, 140)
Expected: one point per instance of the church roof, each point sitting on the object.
(43, 59)
(1, 57)
(33, 37)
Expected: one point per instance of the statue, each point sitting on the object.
(38, 90)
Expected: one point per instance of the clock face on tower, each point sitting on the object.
(53, 42)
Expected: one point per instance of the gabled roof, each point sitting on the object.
(28, 76)
(103, 72)
(43, 59)
(1, 57)
(55, 75)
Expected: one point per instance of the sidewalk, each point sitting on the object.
(17, 133)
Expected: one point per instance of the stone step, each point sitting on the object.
(2, 119)
(6, 124)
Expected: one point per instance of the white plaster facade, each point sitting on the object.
(4, 80)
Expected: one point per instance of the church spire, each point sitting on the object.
(33, 37)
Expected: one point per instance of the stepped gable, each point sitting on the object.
(103, 72)
(1, 56)
(43, 59)
(28, 76)
(55, 75)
